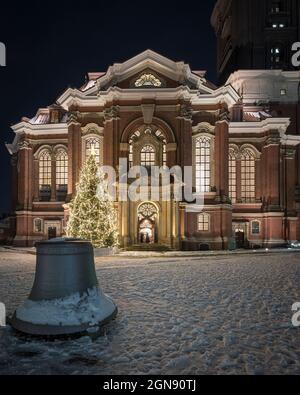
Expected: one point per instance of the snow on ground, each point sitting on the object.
(215, 315)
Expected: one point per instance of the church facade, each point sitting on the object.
(152, 110)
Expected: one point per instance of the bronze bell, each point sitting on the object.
(65, 298)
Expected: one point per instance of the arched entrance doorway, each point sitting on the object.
(240, 234)
(147, 223)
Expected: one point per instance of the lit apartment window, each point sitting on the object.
(278, 25)
(232, 177)
(203, 222)
(202, 163)
(248, 176)
(276, 55)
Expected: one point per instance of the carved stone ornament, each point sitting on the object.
(273, 138)
(224, 115)
(186, 111)
(111, 113)
(23, 145)
(74, 117)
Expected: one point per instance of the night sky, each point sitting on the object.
(51, 46)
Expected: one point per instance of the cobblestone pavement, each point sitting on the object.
(210, 315)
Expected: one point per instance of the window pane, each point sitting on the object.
(248, 177)
(202, 163)
(203, 222)
(62, 168)
(232, 177)
(45, 169)
(148, 156)
(92, 146)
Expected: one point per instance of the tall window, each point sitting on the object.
(164, 154)
(247, 176)
(202, 163)
(203, 222)
(92, 147)
(45, 169)
(148, 156)
(130, 158)
(61, 168)
(232, 177)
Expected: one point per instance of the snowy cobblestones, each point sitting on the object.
(215, 315)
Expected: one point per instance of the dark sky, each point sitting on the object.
(51, 45)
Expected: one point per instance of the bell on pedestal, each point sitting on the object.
(65, 298)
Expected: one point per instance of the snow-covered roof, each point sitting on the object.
(256, 116)
(41, 118)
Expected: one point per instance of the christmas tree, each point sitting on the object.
(92, 215)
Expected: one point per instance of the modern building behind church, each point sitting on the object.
(241, 139)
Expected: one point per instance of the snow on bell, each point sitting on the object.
(65, 298)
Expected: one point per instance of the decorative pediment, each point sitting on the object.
(149, 70)
(145, 76)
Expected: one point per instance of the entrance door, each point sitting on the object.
(240, 234)
(147, 223)
(51, 232)
(240, 239)
(147, 232)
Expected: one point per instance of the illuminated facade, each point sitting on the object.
(154, 111)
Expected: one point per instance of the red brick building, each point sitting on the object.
(152, 110)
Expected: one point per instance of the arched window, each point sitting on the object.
(45, 176)
(148, 156)
(61, 168)
(203, 163)
(232, 176)
(61, 175)
(45, 169)
(203, 222)
(147, 147)
(93, 147)
(248, 176)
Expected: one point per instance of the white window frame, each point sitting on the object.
(203, 216)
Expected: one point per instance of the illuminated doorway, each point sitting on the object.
(147, 223)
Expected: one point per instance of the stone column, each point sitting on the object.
(74, 153)
(185, 120)
(14, 172)
(221, 159)
(36, 192)
(238, 180)
(25, 176)
(271, 152)
(53, 177)
(289, 177)
(258, 180)
(111, 137)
